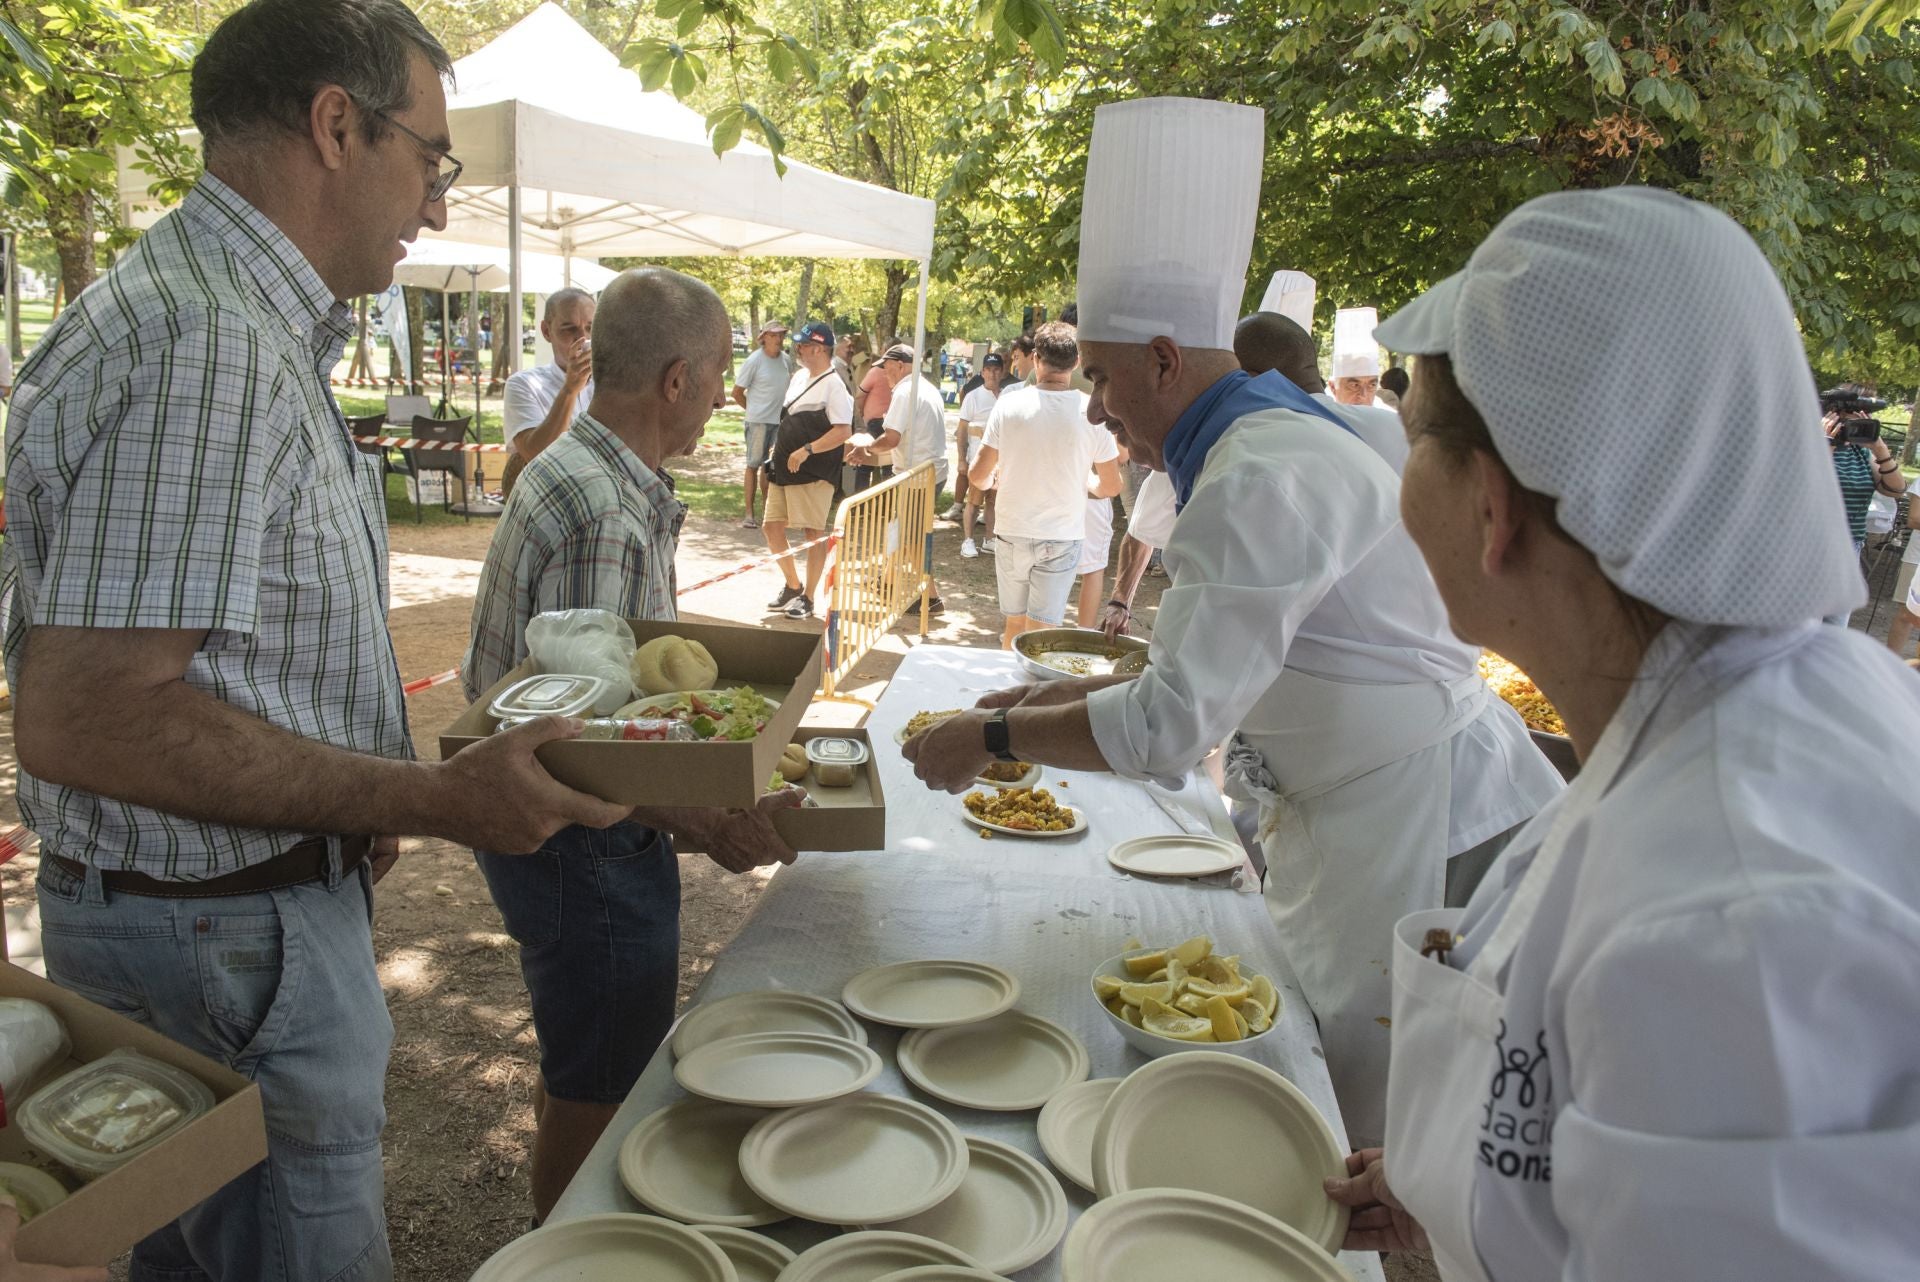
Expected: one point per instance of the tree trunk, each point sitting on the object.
(12, 336)
(416, 337)
(806, 294)
(888, 321)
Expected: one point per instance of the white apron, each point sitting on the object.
(1445, 1021)
(1355, 784)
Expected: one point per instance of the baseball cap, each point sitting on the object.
(774, 327)
(993, 360)
(815, 332)
(898, 352)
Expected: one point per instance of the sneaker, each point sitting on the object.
(953, 513)
(786, 595)
(986, 545)
(969, 549)
(750, 523)
(934, 606)
(801, 607)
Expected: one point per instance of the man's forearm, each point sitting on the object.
(1134, 556)
(834, 436)
(529, 441)
(1060, 736)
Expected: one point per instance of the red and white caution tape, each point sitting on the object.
(755, 564)
(427, 683)
(15, 841)
(412, 443)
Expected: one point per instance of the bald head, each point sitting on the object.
(651, 317)
(1268, 340)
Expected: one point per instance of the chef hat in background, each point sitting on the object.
(1635, 357)
(1166, 223)
(1355, 352)
(1290, 294)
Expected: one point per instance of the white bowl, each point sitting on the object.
(1152, 1043)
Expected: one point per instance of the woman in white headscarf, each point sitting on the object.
(1676, 1032)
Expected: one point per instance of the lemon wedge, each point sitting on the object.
(1264, 995)
(1191, 1004)
(1140, 994)
(1218, 970)
(1233, 993)
(1220, 1015)
(1164, 1021)
(1130, 1013)
(1193, 950)
(1240, 1022)
(1258, 1021)
(1146, 963)
(1106, 986)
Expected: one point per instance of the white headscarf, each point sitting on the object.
(1635, 357)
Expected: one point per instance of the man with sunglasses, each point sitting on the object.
(211, 734)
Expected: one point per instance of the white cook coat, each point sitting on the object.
(1715, 1007)
(1378, 425)
(1301, 614)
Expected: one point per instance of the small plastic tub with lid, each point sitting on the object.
(106, 1113)
(557, 694)
(836, 761)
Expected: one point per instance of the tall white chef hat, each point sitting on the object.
(1355, 353)
(1635, 357)
(1291, 294)
(1166, 224)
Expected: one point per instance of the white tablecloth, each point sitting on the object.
(1049, 911)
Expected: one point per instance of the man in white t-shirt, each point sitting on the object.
(816, 418)
(540, 402)
(975, 408)
(915, 429)
(759, 388)
(1043, 448)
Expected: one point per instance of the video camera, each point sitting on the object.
(1856, 410)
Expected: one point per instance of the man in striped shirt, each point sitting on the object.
(208, 717)
(593, 524)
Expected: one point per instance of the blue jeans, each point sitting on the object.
(596, 913)
(280, 986)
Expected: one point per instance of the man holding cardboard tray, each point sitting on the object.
(593, 525)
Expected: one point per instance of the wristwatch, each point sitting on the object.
(998, 741)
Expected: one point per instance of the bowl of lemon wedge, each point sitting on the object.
(1184, 998)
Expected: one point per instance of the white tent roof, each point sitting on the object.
(458, 267)
(607, 168)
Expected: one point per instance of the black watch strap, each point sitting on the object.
(998, 741)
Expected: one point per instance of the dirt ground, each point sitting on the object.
(460, 1119)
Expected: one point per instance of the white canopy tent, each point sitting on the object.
(564, 153)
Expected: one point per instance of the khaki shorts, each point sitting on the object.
(805, 506)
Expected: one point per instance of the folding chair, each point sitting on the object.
(447, 431)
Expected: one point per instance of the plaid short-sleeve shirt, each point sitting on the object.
(176, 460)
(589, 527)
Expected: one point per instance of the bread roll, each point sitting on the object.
(793, 763)
(669, 664)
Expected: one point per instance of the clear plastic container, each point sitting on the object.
(629, 729)
(106, 1113)
(557, 694)
(836, 761)
(32, 1042)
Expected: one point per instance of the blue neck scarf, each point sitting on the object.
(1235, 396)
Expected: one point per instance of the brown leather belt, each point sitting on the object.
(295, 866)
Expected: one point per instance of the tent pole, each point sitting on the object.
(513, 277)
(446, 349)
(920, 320)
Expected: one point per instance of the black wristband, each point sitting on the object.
(1122, 604)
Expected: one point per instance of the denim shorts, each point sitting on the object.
(281, 987)
(596, 913)
(1036, 576)
(760, 443)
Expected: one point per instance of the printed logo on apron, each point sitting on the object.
(1516, 1124)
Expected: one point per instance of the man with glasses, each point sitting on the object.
(208, 716)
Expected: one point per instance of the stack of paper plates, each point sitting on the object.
(609, 1248)
(769, 1010)
(1008, 1212)
(1153, 1235)
(777, 1070)
(865, 1257)
(1226, 1126)
(866, 1159)
(931, 994)
(684, 1162)
(1010, 1062)
(1066, 1127)
(754, 1257)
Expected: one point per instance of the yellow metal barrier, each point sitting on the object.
(882, 562)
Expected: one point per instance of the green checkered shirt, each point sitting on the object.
(176, 460)
(589, 527)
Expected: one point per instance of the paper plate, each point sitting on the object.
(866, 1257)
(867, 1159)
(1151, 1235)
(1176, 855)
(1227, 1126)
(931, 994)
(942, 1273)
(755, 1257)
(1067, 1124)
(684, 1162)
(1010, 1062)
(768, 1010)
(1079, 823)
(1008, 1212)
(609, 1248)
(777, 1070)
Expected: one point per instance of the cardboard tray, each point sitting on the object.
(786, 665)
(851, 818)
(105, 1217)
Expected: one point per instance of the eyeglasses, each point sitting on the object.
(444, 180)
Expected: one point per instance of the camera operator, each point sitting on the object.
(1861, 460)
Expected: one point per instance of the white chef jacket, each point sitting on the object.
(1290, 554)
(1716, 1006)
(1380, 427)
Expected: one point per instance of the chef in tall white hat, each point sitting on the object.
(1295, 617)
(1356, 357)
(1291, 294)
(1674, 1033)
